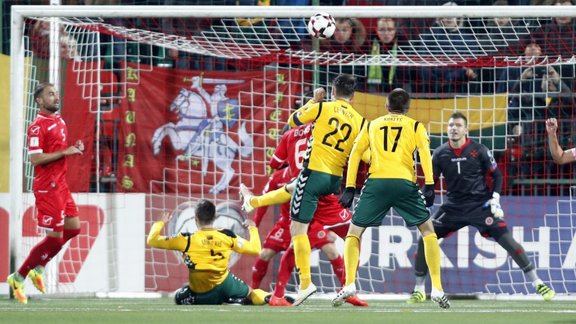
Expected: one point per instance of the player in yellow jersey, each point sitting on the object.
(392, 140)
(207, 253)
(335, 126)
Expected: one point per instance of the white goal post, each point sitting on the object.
(270, 45)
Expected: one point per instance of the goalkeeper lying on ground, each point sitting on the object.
(207, 253)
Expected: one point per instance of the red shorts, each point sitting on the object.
(340, 230)
(317, 235)
(329, 212)
(52, 206)
(278, 239)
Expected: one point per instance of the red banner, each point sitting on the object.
(189, 131)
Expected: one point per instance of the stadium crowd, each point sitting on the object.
(534, 93)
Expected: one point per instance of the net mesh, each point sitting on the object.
(183, 109)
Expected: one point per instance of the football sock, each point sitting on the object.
(420, 283)
(302, 253)
(41, 253)
(287, 264)
(257, 296)
(421, 268)
(274, 197)
(70, 234)
(432, 253)
(516, 251)
(533, 277)
(258, 272)
(351, 257)
(338, 268)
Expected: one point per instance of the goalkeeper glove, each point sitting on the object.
(495, 207)
(347, 197)
(428, 194)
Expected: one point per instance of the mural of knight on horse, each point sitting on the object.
(197, 134)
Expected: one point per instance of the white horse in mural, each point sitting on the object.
(197, 135)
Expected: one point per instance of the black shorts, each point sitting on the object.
(450, 218)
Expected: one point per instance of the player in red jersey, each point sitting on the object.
(291, 151)
(56, 211)
(278, 238)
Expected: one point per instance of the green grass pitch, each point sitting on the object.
(162, 310)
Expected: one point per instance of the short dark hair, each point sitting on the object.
(205, 211)
(398, 101)
(459, 115)
(345, 85)
(40, 88)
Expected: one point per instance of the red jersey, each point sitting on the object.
(48, 134)
(277, 180)
(292, 148)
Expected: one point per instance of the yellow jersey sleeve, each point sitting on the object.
(361, 145)
(423, 145)
(305, 114)
(251, 247)
(178, 242)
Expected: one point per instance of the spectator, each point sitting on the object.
(349, 37)
(448, 41)
(188, 28)
(292, 27)
(532, 86)
(40, 36)
(389, 37)
(557, 36)
(503, 33)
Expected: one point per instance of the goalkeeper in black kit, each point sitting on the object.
(464, 164)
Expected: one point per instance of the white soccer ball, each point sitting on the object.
(321, 25)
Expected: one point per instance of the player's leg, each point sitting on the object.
(287, 265)
(351, 260)
(310, 185)
(324, 240)
(302, 252)
(277, 240)
(442, 230)
(432, 255)
(370, 211)
(329, 248)
(185, 296)
(499, 231)
(274, 197)
(71, 230)
(409, 203)
(260, 267)
(50, 207)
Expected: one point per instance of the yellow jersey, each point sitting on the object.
(206, 252)
(336, 125)
(392, 140)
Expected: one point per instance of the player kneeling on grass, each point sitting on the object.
(207, 253)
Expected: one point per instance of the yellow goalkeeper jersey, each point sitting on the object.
(336, 125)
(392, 140)
(206, 252)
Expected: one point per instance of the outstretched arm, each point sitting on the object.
(558, 154)
(156, 240)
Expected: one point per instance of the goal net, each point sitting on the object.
(175, 104)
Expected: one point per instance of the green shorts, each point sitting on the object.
(310, 185)
(379, 195)
(231, 287)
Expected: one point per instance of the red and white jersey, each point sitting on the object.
(47, 134)
(330, 212)
(292, 149)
